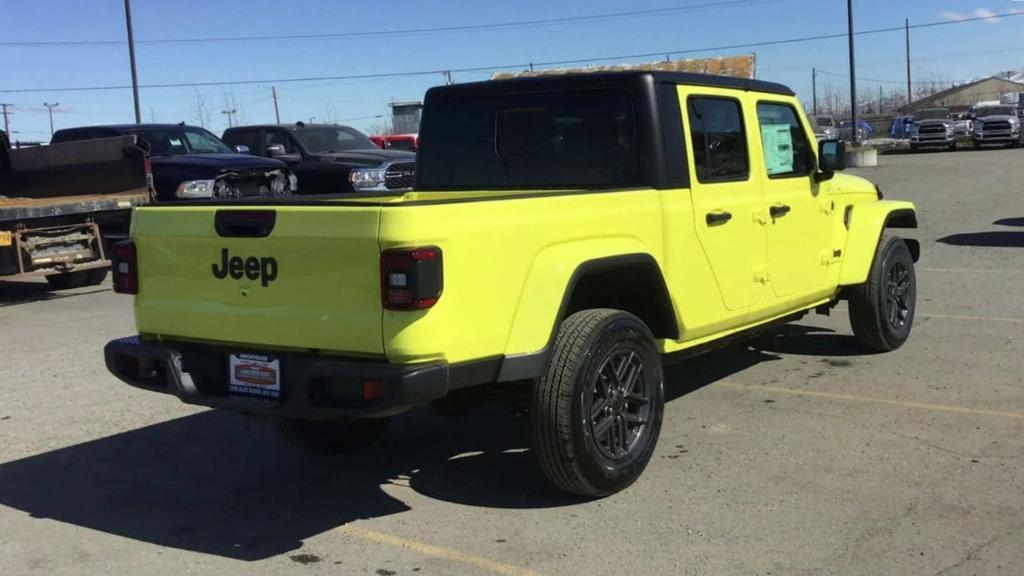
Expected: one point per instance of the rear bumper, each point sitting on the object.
(312, 386)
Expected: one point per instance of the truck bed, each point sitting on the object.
(69, 179)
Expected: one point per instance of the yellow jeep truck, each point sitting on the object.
(565, 237)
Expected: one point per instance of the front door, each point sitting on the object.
(800, 217)
(727, 200)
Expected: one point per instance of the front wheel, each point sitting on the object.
(596, 413)
(882, 309)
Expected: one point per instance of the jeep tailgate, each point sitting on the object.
(311, 281)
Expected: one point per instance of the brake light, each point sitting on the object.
(411, 278)
(125, 266)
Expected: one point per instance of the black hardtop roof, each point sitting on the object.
(589, 80)
(295, 126)
(132, 127)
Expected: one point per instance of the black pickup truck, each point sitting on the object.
(190, 163)
(329, 158)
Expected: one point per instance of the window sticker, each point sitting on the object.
(778, 148)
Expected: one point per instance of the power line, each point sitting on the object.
(521, 65)
(408, 31)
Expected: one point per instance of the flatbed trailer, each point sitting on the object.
(60, 206)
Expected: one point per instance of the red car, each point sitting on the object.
(397, 141)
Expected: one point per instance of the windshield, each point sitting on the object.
(997, 111)
(825, 121)
(936, 114)
(550, 140)
(322, 140)
(179, 141)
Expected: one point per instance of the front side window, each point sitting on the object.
(556, 140)
(718, 139)
(787, 151)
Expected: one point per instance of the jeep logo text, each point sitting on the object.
(253, 268)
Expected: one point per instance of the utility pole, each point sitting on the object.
(7, 120)
(879, 98)
(814, 90)
(910, 94)
(49, 108)
(448, 76)
(277, 111)
(853, 74)
(131, 57)
(231, 116)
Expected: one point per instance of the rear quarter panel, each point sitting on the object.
(507, 263)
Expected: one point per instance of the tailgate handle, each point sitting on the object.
(244, 223)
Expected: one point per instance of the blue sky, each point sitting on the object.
(957, 52)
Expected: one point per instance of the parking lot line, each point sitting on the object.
(437, 552)
(970, 270)
(876, 400)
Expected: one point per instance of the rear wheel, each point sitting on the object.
(331, 437)
(596, 413)
(882, 309)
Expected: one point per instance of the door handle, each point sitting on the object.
(717, 217)
(779, 210)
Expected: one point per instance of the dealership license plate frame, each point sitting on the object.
(254, 375)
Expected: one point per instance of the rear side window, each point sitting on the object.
(580, 139)
(787, 151)
(719, 141)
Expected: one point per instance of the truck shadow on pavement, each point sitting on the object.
(15, 293)
(224, 484)
(996, 239)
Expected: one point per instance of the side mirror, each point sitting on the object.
(242, 149)
(275, 150)
(831, 158)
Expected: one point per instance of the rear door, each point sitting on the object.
(727, 199)
(305, 277)
(800, 216)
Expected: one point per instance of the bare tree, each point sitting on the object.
(380, 128)
(200, 112)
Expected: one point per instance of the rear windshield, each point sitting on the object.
(579, 139)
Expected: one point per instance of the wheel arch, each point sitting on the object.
(639, 288)
(866, 224)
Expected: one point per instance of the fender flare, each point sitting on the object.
(867, 222)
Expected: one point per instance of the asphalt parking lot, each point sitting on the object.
(795, 454)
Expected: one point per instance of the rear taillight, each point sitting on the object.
(125, 265)
(411, 278)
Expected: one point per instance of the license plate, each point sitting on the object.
(254, 375)
(6, 239)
